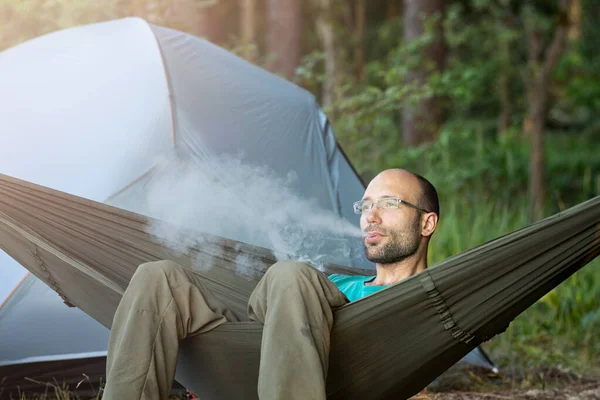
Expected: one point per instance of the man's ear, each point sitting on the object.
(429, 224)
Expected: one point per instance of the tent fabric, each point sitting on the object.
(93, 111)
(408, 333)
(159, 94)
(48, 344)
(64, 346)
(35, 301)
(104, 111)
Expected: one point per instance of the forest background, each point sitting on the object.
(494, 101)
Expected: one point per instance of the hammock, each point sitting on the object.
(386, 346)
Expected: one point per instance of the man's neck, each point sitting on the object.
(388, 274)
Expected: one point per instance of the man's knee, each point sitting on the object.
(154, 273)
(289, 270)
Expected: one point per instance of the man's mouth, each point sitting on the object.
(372, 237)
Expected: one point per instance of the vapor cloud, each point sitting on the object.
(252, 204)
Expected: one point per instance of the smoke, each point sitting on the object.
(247, 203)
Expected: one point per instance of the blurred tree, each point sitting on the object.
(507, 22)
(544, 54)
(248, 28)
(204, 18)
(360, 11)
(392, 9)
(284, 38)
(422, 120)
(325, 22)
(341, 38)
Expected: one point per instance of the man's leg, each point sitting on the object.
(163, 304)
(294, 301)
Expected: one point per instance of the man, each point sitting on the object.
(164, 302)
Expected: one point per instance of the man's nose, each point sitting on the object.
(373, 215)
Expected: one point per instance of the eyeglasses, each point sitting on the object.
(387, 203)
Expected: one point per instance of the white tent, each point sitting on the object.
(112, 111)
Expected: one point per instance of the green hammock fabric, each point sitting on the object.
(386, 346)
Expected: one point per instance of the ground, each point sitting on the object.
(589, 391)
(545, 384)
(473, 384)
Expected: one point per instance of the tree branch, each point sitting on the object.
(559, 41)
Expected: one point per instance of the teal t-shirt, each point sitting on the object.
(354, 286)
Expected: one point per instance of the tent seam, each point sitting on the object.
(12, 292)
(168, 81)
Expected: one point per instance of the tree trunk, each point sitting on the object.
(248, 28)
(284, 39)
(504, 119)
(205, 21)
(536, 116)
(326, 31)
(541, 64)
(575, 14)
(360, 12)
(421, 122)
(328, 16)
(392, 9)
(506, 73)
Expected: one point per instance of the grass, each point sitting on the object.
(59, 391)
(560, 330)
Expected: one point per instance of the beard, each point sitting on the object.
(400, 245)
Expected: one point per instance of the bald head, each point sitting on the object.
(416, 189)
(397, 233)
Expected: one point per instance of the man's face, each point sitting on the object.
(392, 235)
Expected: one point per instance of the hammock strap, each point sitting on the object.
(442, 309)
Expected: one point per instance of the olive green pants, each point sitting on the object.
(165, 302)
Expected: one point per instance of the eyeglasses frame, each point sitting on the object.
(399, 200)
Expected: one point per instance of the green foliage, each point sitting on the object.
(464, 160)
(481, 174)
